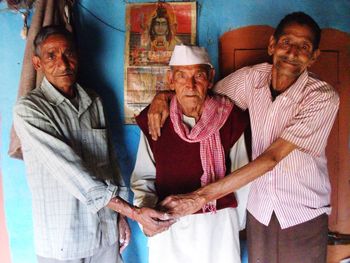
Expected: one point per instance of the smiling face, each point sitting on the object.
(57, 59)
(191, 84)
(293, 52)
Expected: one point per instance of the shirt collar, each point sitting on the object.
(52, 95)
(294, 92)
(55, 97)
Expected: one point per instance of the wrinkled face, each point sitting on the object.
(293, 52)
(160, 26)
(58, 61)
(191, 84)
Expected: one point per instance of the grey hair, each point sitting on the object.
(47, 31)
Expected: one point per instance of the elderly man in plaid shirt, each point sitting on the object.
(71, 168)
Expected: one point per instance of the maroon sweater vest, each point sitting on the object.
(178, 163)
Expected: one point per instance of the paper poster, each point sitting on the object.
(153, 30)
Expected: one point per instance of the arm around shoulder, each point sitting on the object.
(158, 112)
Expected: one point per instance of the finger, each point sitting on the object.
(121, 238)
(158, 124)
(155, 226)
(127, 236)
(176, 214)
(151, 126)
(169, 203)
(148, 232)
(160, 215)
(150, 123)
(164, 224)
(156, 127)
(164, 117)
(166, 201)
(162, 229)
(165, 216)
(122, 247)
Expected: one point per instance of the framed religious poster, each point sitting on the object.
(153, 30)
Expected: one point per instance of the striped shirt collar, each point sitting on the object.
(295, 92)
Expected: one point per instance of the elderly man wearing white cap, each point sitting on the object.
(292, 113)
(200, 143)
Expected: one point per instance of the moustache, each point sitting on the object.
(66, 72)
(294, 62)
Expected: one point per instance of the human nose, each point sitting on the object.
(63, 62)
(293, 50)
(190, 82)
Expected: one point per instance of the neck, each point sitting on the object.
(68, 92)
(281, 82)
(194, 112)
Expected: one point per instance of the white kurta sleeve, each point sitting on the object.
(239, 158)
(144, 175)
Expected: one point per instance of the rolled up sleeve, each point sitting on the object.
(45, 148)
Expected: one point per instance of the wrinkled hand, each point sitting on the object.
(182, 205)
(124, 233)
(157, 114)
(153, 221)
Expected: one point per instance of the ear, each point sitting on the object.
(314, 56)
(36, 62)
(211, 78)
(271, 46)
(169, 76)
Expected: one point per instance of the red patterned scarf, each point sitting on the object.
(206, 131)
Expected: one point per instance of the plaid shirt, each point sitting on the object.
(298, 188)
(68, 159)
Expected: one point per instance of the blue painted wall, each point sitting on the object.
(101, 68)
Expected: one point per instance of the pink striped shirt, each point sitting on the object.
(298, 188)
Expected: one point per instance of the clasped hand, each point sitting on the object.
(182, 205)
(152, 221)
(175, 206)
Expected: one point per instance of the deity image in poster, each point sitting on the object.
(153, 30)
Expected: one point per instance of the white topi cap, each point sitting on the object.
(189, 55)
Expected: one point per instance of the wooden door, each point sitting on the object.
(248, 45)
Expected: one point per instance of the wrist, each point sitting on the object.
(166, 95)
(113, 204)
(201, 197)
(134, 213)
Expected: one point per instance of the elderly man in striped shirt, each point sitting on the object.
(292, 113)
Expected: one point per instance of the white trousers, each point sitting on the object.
(199, 238)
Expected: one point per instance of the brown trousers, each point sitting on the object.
(303, 243)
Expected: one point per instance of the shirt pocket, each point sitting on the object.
(95, 148)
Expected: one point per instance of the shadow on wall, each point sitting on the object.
(92, 75)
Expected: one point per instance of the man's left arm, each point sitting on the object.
(307, 132)
(181, 205)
